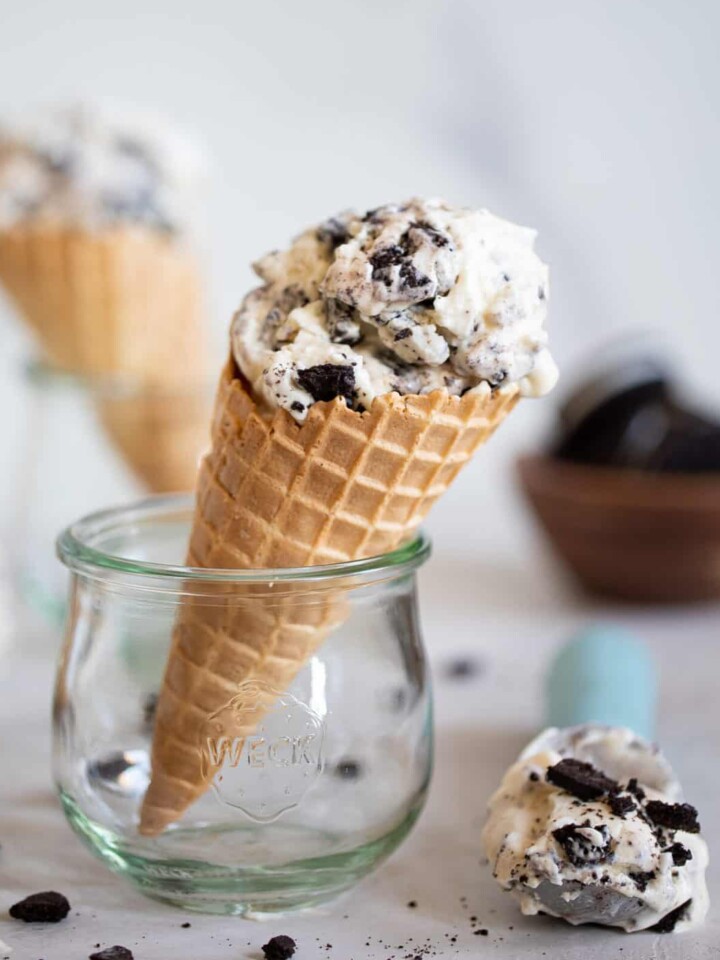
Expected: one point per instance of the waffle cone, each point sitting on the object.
(123, 303)
(161, 434)
(271, 493)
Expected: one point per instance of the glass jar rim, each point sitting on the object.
(115, 386)
(76, 550)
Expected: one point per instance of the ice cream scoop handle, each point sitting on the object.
(603, 676)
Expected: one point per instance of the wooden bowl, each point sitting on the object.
(627, 533)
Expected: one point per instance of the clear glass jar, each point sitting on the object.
(88, 442)
(333, 775)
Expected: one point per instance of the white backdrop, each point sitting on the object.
(595, 122)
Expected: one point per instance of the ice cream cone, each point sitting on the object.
(161, 433)
(117, 301)
(275, 493)
(121, 304)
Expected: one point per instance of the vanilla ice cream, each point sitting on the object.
(409, 298)
(588, 825)
(92, 166)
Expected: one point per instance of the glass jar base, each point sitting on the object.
(248, 891)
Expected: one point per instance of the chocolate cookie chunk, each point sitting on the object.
(112, 953)
(46, 907)
(381, 260)
(334, 232)
(635, 789)
(279, 948)
(621, 805)
(680, 854)
(435, 236)
(580, 779)
(327, 381)
(581, 845)
(673, 816)
(642, 879)
(341, 323)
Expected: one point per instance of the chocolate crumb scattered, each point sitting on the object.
(185, 925)
(45, 907)
(580, 779)
(534, 777)
(621, 805)
(348, 769)
(670, 920)
(412, 904)
(680, 854)
(482, 933)
(673, 816)
(279, 948)
(113, 953)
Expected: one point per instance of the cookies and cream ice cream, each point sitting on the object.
(588, 825)
(94, 167)
(409, 298)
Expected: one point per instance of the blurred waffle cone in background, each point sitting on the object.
(122, 301)
(273, 493)
(125, 305)
(160, 432)
(97, 253)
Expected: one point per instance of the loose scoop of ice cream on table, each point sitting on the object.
(98, 255)
(589, 824)
(379, 352)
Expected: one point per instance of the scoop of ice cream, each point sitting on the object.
(94, 167)
(588, 826)
(410, 298)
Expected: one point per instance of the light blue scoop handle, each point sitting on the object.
(604, 676)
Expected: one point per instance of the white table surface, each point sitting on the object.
(512, 615)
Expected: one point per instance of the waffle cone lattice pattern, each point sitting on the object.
(272, 493)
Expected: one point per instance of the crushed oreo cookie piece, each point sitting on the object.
(382, 260)
(112, 953)
(403, 334)
(334, 232)
(621, 804)
(46, 907)
(348, 769)
(642, 878)
(673, 816)
(680, 854)
(635, 789)
(436, 237)
(341, 323)
(584, 844)
(580, 779)
(412, 278)
(670, 920)
(327, 381)
(279, 948)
